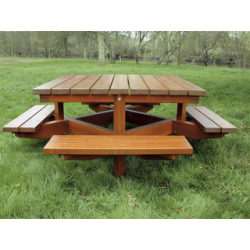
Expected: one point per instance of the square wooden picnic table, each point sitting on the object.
(119, 99)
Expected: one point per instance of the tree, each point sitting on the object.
(101, 55)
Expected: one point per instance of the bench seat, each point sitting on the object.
(208, 121)
(31, 120)
(117, 145)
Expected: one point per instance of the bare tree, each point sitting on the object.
(101, 56)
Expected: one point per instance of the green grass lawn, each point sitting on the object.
(214, 182)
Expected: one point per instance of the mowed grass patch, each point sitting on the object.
(214, 182)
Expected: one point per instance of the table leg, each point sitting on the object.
(59, 111)
(119, 129)
(181, 111)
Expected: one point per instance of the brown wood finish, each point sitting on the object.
(84, 86)
(140, 108)
(45, 89)
(80, 157)
(14, 125)
(77, 127)
(102, 86)
(36, 121)
(174, 88)
(137, 85)
(157, 128)
(100, 108)
(225, 126)
(120, 85)
(181, 111)
(201, 120)
(59, 111)
(47, 130)
(192, 89)
(117, 145)
(192, 130)
(65, 87)
(155, 87)
(157, 157)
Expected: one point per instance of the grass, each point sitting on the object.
(214, 182)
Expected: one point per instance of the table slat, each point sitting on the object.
(64, 88)
(137, 85)
(155, 87)
(192, 88)
(120, 85)
(83, 87)
(174, 88)
(102, 86)
(45, 89)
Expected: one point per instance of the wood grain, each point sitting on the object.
(102, 86)
(119, 85)
(155, 87)
(137, 85)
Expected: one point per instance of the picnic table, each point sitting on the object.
(119, 100)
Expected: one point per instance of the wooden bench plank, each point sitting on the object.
(174, 88)
(192, 89)
(226, 127)
(102, 86)
(137, 85)
(118, 145)
(65, 87)
(45, 89)
(38, 119)
(14, 125)
(155, 87)
(120, 85)
(205, 123)
(83, 87)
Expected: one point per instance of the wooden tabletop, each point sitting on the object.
(119, 84)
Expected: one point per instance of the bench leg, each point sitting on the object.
(119, 129)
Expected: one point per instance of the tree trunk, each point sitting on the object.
(101, 54)
(179, 55)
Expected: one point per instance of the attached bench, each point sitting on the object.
(208, 121)
(87, 147)
(31, 120)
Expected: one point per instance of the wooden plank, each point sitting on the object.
(192, 88)
(174, 88)
(14, 125)
(38, 119)
(118, 145)
(205, 123)
(45, 89)
(155, 87)
(84, 86)
(65, 87)
(119, 85)
(102, 86)
(226, 127)
(137, 85)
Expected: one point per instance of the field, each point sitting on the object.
(214, 182)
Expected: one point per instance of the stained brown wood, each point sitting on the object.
(181, 111)
(119, 85)
(14, 125)
(118, 145)
(155, 87)
(174, 88)
(47, 130)
(140, 108)
(157, 128)
(38, 119)
(45, 89)
(192, 88)
(59, 111)
(65, 87)
(226, 127)
(77, 127)
(100, 108)
(137, 85)
(102, 86)
(192, 130)
(80, 157)
(201, 120)
(84, 86)
(119, 115)
(157, 157)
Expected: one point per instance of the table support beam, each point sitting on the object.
(119, 129)
(181, 111)
(59, 111)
